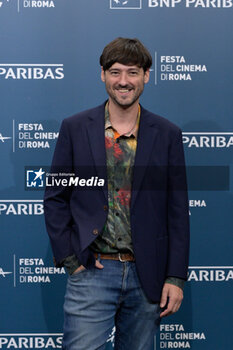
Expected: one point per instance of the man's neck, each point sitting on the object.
(123, 116)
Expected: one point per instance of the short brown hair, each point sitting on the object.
(126, 51)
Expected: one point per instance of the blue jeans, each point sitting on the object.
(97, 300)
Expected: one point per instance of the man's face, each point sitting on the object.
(124, 84)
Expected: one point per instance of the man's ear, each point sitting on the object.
(102, 74)
(146, 76)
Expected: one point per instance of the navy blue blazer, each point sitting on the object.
(159, 206)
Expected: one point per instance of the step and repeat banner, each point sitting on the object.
(49, 70)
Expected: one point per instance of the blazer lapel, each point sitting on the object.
(95, 131)
(146, 136)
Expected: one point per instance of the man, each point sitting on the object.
(125, 244)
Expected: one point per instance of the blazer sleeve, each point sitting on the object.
(57, 212)
(178, 210)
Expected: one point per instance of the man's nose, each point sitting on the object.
(123, 79)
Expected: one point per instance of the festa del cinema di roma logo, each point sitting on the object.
(29, 3)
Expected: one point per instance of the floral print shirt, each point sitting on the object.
(120, 153)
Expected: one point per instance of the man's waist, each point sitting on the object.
(115, 256)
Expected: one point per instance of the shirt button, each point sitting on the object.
(95, 231)
(117, 214)
(105, 207)
(119, 239)
(117, 189)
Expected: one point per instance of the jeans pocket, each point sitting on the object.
(76, 273)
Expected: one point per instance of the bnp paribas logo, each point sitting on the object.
(125, 4)
(2, 3)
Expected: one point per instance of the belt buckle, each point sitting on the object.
(121, 260)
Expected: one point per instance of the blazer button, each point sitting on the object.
(105, 207)
(95, 231)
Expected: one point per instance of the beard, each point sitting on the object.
(124, 99)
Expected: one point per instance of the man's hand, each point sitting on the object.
(175, 295)
(98, 265)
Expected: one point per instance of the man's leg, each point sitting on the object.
(137, 318)
(90, 306)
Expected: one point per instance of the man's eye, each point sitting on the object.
(133, 73)
(114, 73)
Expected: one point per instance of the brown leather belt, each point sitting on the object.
(116, 256)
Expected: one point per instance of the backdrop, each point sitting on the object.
(49, 70)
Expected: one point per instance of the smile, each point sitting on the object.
(124, 90)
